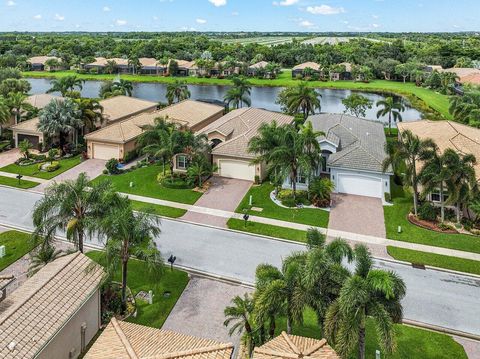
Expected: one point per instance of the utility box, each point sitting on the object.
(2, 251)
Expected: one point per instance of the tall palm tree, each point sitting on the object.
(91, 113)
(466, 108)
(462, 184)
(434, 175)
(130, 234)
(66, 84)
(17, 102)
(125, 86)
(239, 316)
(110, 67)
(409, 149)
(5, 113)
(74, 206)
(301, 99)
(134, 63)
(237, 98)
(392, 109)
(369, 293)
(177, 91)
(447, 82)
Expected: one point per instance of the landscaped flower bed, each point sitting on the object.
(433, 226)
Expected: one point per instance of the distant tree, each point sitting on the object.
(66, 84)
(172, 68)
(134, 63)
(463, 62)
(239, 93)
(466, 108)
(14, 85)
(357, 105)
(110, 67)
(177, 91)
(300, 99)
(447, 82)
(5, 113)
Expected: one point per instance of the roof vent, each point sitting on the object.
(11, 346)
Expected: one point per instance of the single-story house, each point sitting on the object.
(55, 313)
(446, 134)
(114, 109)
(186, 68)
(353, 152)
(230, 136)
(124, 340)
(150, 66)
(345, 74)
(299, 70)
(465, 75)
(121, 65)
(39, 63)
(116, 140)
(252, 70)
(295, 347)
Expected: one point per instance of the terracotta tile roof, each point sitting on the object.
(148, 62)
(258, 65)
(123, 340)
(41, 100)
(188, 112)
(120, 107)
(462, 72)
(30, 126)
(38, 309)
(241, 125)
(292, 347)
(473, 79)
(311, 65)
(448, 134)
(41, 59)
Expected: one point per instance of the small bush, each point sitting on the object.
(388, 197)
(257, 179)
(53, 166)
(105, 172)
(130, 156)
(52, 153)
(289, 202)
(450, 215)
(112, 166)
(427, 212)
(38, 157)
(176, 183)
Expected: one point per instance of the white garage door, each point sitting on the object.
(360, 185)
(237, 169)
(103, 151)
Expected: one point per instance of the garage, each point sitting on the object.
(103, 151)
(236, 169)
(34, 140)
(359, 185)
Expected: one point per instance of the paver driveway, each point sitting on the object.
(8, 157)
(224, 194)
(357, 214)
(199, 310)
(93, 168)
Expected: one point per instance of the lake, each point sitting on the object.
(262, 97)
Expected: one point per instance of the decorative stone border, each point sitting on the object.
(433, 227)
(279, 203)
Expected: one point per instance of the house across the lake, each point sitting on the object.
(42, 63)
(307, 69)
(55, 313)
(254, 69)
(342, 71)
(353, 151)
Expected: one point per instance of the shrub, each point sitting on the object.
(105, 172)
(284, 194)
(315, 239)
(38, 157)
(53, 166)
(427, 212)
(176, 182)
(112, 166)
(320, 190)
(388, 197)
(52, 153)
(450, 215)
(130, 156)
(289, 202)
(257, 179)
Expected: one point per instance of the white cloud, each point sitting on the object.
(11, 3)
(376, 26)
(201, 21)
(38, 17)
(375, 16)
(106, 9)
(218, 2)
(285, 3)
(186, 28)
(306, 23)
(59, 17)
(325, 10)
(120, 22)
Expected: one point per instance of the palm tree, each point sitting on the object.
(91, 113)
(392, 109)
(447, 82)
(125, 86)
(301, 99)
(134, 63)
(46, 254)
(369, 294)
(434, 175)
(409, 149)
(239, 316)
(17, 103)
(130, 234)
(74, 206)
(5, 113)
(25, 146)
(110, 67)
(466, 108)
(62, 118)
(462, 185)
(239, 93)
(177, 91)
(200, 168)
(66, 84)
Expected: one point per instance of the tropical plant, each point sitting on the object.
(369, 294)
(466, 108)
(25, 146)
(40, 258)
(177, 91)
(320, 190)
(240, 319)
(447, 82)
(91, 113)
(17, 103)
(357, 105)
(110, 67)
(5, 113)
(409, 149)
(301, 99)
(66, 84)
(60, 118)
(124, 86)
(130, 234)
(392, 109)
(134, 63)
(199, 169)
(74, 206)
(239, 93)
(14, 85)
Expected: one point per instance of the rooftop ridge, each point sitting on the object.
(191, 352)
(290, 343)
(123, 338)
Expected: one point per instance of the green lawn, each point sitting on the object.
(17, 244)
(145, 184)
(396, 215)
(261, 198)
(138, 279)
(158, 209)
(267, 230)
(32, 170)
(435, 260)
(412, 343)
(13, 182)
(432, 99)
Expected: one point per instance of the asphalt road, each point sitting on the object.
(433, 297)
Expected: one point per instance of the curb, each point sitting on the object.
(438, 329)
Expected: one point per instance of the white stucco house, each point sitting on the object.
(353, 151)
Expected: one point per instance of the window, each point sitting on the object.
(435, 196)
(181, 162)
(301, 178)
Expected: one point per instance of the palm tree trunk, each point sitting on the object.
(458, 211)
(361, 342)
(163, 162)
(415, 189)
(390, 123)
(442, 205)
(124, 283)
(289, 326)
(80, 240)
(271, 330)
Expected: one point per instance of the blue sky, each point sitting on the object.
(239, 15)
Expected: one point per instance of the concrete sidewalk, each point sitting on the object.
(360, 238)
(26, 178)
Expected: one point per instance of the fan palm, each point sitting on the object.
(239, 318)
(177, 91)
(369, 293)
(301, 99)
(392, 109)
(74, 206)
(466, 108)
(130, 234)
(409, 149)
